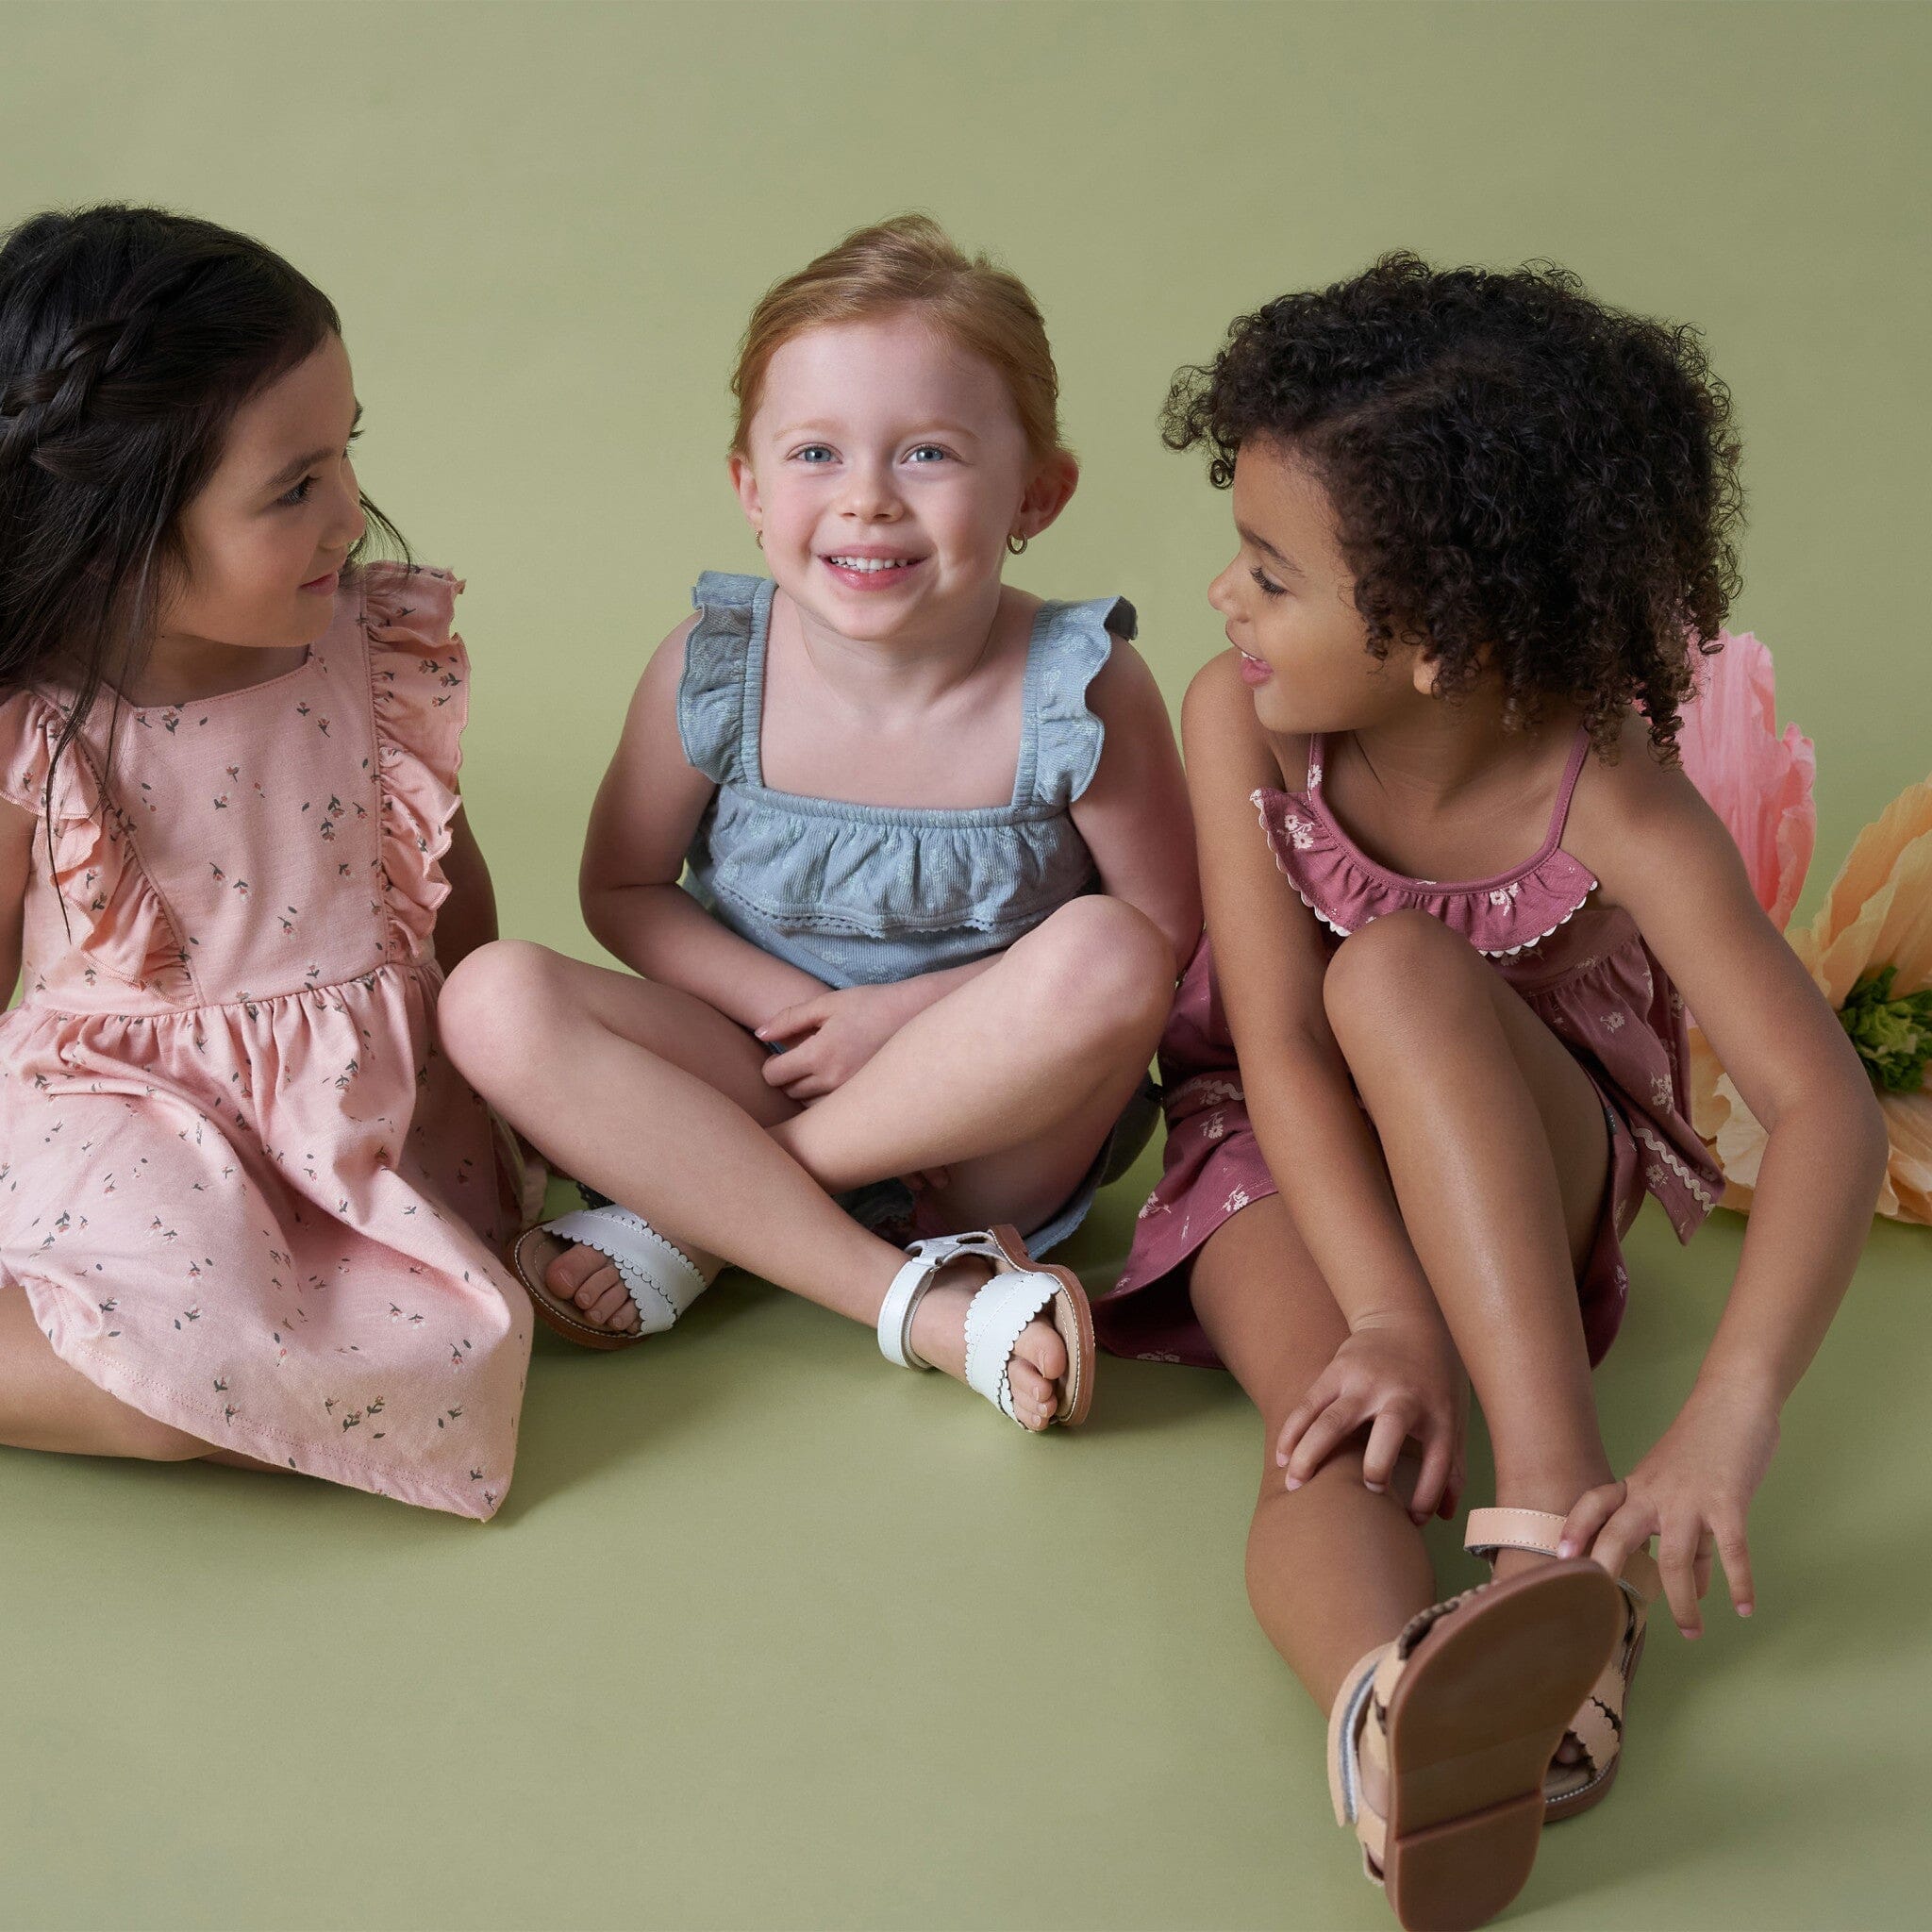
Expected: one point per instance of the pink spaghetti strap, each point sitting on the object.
(1572, 772)
(1317, 756)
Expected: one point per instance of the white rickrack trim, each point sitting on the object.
(1669, 1155)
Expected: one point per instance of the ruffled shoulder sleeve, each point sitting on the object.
(419, 674)
(113, 914)
(719, 691)
(1070, 641)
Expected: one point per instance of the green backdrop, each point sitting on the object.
(768, 1636)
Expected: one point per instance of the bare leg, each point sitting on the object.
(46, 1404)
(637, 1124)
(1333, 1569)
(1498, 1151)
(1011, 1081)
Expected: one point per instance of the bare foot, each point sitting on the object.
(586, 1281)
(939, 1334)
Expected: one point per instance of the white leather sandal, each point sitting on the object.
(661, 1279)
(1018, 1288)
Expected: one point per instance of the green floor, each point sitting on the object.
(768, 1635)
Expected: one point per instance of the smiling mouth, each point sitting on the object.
(873, 566)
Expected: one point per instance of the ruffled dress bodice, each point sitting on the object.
(244, 1191)
(1582, 967)
(861, 895)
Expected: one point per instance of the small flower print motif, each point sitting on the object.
(1612, 1022)
(1299, 831)
(1660, 1093)
(1236, 1200)
(1502, 895)
(1214, 1126)
(1314, 777)
(1157, 1354)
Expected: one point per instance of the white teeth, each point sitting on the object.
(871, 564)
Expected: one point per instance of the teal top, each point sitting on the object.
(861, 894)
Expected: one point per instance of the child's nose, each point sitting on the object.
(869, 493)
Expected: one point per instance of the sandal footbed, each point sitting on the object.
(1073, 1318)
(555, 1315)
(1473, 1720)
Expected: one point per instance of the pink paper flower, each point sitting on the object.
(1757, 782)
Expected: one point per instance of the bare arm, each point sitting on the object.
(467, 918)
(1134, 816)
(16, 854)
(1661, 853)
(1666, 857)
(1270, 959)
(647, 809)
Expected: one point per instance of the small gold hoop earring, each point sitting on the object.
(1016, 546)
(760, 536)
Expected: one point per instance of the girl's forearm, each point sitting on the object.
(1326, 1162)
(1812, 1209)
(664, 934)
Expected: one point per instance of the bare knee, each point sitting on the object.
(1104, 962)
(1398, 971)
(493, 1008)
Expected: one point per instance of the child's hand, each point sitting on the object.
(1402, 1380)
(1691, 1491)
(828, 1038)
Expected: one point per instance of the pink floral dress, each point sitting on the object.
(1583, 969)
(243, 1190)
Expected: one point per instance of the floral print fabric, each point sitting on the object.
(243, 1190)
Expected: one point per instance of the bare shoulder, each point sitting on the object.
(1125, 690)
(1638, 807)
(1217, 718)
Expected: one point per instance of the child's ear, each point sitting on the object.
(1049, 491)
(1425, 668)
(747, 484)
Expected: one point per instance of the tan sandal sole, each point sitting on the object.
(555, 1315)
(1473, 1722)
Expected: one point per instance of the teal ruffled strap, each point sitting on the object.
(1070, 641)
(715, 692)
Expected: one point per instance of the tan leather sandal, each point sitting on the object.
(1458, 1720)
(1598, 1726)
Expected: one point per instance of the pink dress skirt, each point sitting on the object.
(1583, 969)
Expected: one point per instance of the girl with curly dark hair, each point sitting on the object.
(1435, 1059)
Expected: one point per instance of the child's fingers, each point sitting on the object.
(1321, 1437)
(1432, 1485)
(792, 1020)
(1676, 1558)
(1299, 1417)
(1631, 1525)
(1734, 1552)
(1588, 1515)
(1386, 1437)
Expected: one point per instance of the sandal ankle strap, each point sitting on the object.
(901, 1302)
(1538, 1531)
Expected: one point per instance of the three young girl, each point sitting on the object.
(891, 1036)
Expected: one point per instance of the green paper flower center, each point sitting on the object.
(1893, 1036)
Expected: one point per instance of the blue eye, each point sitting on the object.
(1268, 587)
(815, 454)
(929, 449)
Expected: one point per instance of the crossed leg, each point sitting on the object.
(654, 1098)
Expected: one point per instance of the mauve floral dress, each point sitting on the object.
(1583, 969)
(243, 1190)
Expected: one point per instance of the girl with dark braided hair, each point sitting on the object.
(247, 1209)
(1437, 1058)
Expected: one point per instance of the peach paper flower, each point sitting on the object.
(1869, 951)
(1757, 782)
